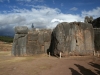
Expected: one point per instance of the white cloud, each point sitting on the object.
(95, 13)
(42, 17)
(74, 9)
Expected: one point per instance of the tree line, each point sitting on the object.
(7, 39)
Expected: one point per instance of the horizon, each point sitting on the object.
(43, 13)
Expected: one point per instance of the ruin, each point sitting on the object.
(20, 40)
(75, 38)
(38, 41)
(96, 26)
(30, 42)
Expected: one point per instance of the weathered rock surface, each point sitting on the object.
(97, 39)
(21, 30)
(96, 26)
(38, 41)
(20, 40)
(74, 38)
(96, 23)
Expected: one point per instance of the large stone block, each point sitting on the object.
(47, 35)
(19, 45)
(21, 30)
(75, 38)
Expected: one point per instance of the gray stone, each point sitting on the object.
(19, 45)
(21, 30)
(74, 38)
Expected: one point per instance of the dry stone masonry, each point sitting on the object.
(38, 41)
(75, 38)
(30, 42)
(20, 40)
(96, 26)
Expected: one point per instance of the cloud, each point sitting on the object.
(74, 9)
(7, 30)
(94, 12)
(41, 17)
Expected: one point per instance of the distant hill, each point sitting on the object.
(7, 39)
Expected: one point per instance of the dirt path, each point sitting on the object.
(44, 65)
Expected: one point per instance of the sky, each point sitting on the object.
(44, 13)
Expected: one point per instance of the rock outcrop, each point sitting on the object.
(74, 38)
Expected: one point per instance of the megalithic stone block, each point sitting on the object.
(75, 38)
(20, 40)
(21, 30)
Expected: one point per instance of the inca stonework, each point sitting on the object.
(75, 38)
(38, 41)
(30, 42)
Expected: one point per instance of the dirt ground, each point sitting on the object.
(44, 65)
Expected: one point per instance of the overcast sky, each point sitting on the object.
(44, 13)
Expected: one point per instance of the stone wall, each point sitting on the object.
(30, 42)
(74, 38)
(38, 41)
(97, 39)
(20, 40)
